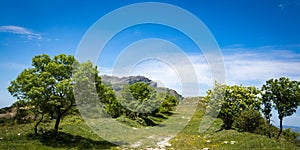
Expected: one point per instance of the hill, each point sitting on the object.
(75, 134)
(293, 128)
(116, 83)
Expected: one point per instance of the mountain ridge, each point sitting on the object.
(116, 83)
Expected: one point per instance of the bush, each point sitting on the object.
(249, 121)
(290, 136)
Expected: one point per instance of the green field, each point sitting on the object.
(74, 133)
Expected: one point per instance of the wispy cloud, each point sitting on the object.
(287, 4)
(246, 66)
(249, 67)
(21, 31)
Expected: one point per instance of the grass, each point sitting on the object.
(75, 134)
(72, 135)
(215, 138)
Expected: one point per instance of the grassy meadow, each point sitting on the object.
(74, 133)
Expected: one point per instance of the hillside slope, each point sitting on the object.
(75, 134)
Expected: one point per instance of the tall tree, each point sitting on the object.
(284, 94)
(47, 86)
(92, 96)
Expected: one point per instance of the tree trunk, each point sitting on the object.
(269, 134)
(57, 121)
(37, 124)
(57, 124)
(280, 130)
(268, 126)
(59, 116)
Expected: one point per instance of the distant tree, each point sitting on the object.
(169, 103)
(230, 101)
(140, 101)
(284, 94)
(47, 86)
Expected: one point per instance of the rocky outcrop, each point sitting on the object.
(9, 115)
(117, 83)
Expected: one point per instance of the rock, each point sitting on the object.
(207, 141)
(225, 142)
(205, 148)
(168, 144)
(232, 142)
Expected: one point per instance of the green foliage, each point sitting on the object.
(92, 95)
(230, 101)
(249, 121)
(214, 138)
(168, 104)
(47, 86)
(291, 136)
(284, 95)
(143, 104)
(75, 134)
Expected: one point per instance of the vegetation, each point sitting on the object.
(142, 103)
(46, 88)
(48, 92)
(75, 134)
(215, 138)
(284, 94)
(232, 101)
(91, 93)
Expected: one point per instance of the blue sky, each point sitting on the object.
(259, 40)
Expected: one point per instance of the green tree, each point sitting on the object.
(47, 86)
(169, 103)
(139, 100)
(267, 108)
(142, 102)
(230, 101)
(92, 96)
(284, 94)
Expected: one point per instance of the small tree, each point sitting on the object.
(235, 99)
(284, 94)
(47, 86)
(139, 100)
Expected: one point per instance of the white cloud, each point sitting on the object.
(20, 31)
(254, 67)
(249, 67)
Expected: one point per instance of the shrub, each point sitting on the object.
(290, 135)
(249, 121)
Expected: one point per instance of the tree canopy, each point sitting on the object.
(284, 94)
(231, 101)
(47, 86)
